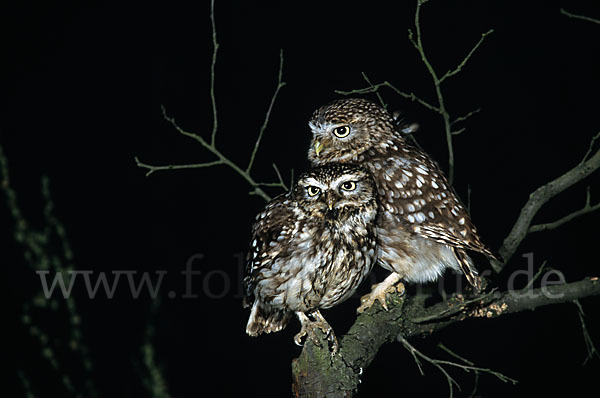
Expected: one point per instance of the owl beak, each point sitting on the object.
(318, 147)
(330, 202)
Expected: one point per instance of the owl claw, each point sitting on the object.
(379, 293)
(309, 327)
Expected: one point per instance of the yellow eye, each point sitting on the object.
(313, 191)
(342, 131)
(349, 186)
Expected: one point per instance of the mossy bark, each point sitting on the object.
(317, 373)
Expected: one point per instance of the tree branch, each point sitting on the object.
(317, 373)
(589, 343)
(48, 249)
(280, 84)
(538, 198)
(375, 89)
(464, 61)
(439, 363)
(213, 102)
(440, 108)
(211, 146)
(588, 208)
(379, 97)
(152, 169)
(437, 82)
(465, 117)
(582, 17)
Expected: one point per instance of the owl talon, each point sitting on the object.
(309, 327)
(379, 293)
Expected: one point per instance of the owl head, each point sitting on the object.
(346, 128)
(337, 191)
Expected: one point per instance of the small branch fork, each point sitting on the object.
(245, 173)
(541, 196)
(440, 108)
(440, 364)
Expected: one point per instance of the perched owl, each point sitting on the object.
(422, 226)
(311, 248)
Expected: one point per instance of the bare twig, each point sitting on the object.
(464, 61)
(536, 276)
(222, 159)
(459, 131)
(280, 84)
(211, 146)
(582, 17)
(455, 355)
(40, 253)
(465, 117)
(590, 148)
(152, 169)
(375, 88)
(537, 199)
(213, 102)
(416, 354)
(152, 376)
(281, 183)
(476, 372)
(25, 384)
(589, 343)
(588, 208)
(417, 42)
(439, 363)
(379, 97)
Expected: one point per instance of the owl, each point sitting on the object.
(423, 228)
(311, 247)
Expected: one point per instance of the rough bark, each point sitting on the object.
(316, 373)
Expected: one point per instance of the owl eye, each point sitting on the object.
(342, 131)
(349, 186)
(313, 191)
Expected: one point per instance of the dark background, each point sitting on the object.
(81, 88)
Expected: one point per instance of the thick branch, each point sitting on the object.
(317, 373)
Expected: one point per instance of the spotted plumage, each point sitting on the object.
(423, 227)
(311, 247)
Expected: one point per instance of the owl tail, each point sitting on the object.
(266, 319)
(467, 267)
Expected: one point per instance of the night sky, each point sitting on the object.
(81, 88)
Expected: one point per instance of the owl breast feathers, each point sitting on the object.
(422, 226)
(311, 247)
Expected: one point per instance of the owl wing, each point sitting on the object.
(413, 187)
(270, 234)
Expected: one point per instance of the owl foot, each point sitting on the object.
(379, 292)
(309, 327)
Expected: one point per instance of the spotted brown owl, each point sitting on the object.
(311, 248)
(423, 228)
